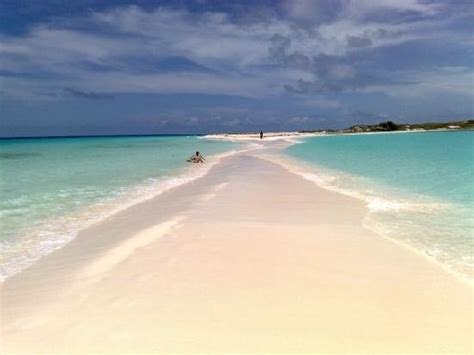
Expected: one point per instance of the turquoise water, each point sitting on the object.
(53, 187)
(419, 186)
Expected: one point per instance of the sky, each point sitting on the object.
(93, 67)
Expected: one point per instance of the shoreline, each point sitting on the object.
(212, 251)
(275, 143)
(288, 135)
(306, 171)
(93, 214)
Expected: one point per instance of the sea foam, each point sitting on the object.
(51, 233)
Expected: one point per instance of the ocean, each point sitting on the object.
(419, 187)
(51, 188)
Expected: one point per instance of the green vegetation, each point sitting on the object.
(390, 126)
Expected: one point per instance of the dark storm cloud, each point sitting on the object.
(279, 52)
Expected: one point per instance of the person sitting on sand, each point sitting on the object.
(196, 158)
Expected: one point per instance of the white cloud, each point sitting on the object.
(69, 55)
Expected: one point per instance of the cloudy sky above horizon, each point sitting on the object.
(121, 67)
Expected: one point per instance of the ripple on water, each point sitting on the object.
(17, 155)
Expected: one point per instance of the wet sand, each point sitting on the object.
(249, 258)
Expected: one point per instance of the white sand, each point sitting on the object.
(250, 258)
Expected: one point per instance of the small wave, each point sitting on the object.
(295, 140)
(339, 182)
(20, 253)
(252, 146)
(431, 228)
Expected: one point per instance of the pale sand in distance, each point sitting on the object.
(249, 258)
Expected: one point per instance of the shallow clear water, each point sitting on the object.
(52, 187)
(419, 186)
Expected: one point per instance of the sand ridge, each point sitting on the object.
(249, 258)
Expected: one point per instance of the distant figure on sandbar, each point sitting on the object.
(261, 134)
(196, 158)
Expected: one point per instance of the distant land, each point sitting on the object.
(390, 126)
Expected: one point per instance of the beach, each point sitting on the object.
(248, 258)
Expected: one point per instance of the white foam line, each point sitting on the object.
(48, 240)
(373, 204)
(424, 254)
(269, 136)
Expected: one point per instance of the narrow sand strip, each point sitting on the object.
(250, 258)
